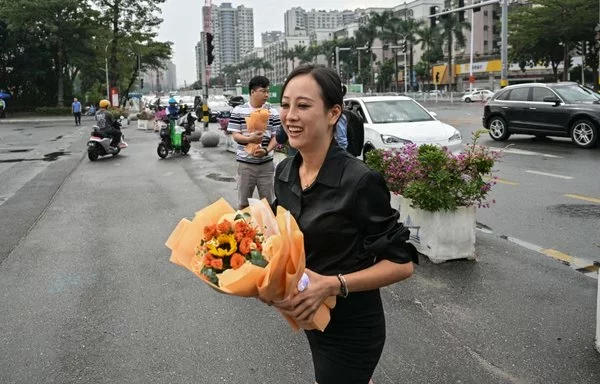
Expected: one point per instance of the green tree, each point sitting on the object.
(532, 41)
(62, 27)
(430, 41)
(128, 21)
(452, 32)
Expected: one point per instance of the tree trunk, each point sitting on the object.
(114, 65)
(566, 62)
(60, 77)
(125, 96)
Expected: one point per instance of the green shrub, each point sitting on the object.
(53, 111)
(118, 112)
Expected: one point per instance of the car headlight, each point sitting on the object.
(387, 139)
(455, 137)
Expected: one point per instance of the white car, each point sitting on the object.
(394, 121)
(481, 95)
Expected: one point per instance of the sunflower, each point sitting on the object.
(225, 245)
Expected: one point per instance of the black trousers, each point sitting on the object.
(77, 118)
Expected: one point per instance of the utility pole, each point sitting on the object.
(504, 52)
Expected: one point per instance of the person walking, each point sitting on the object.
(353, 241)
(76, 109)
(2, 109)
(256, 169)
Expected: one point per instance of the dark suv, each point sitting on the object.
(557, 109)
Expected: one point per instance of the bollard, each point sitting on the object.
(210, 139)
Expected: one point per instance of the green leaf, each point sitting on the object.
(257, 259)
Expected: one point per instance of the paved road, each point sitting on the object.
(548, 193)
(87, 293)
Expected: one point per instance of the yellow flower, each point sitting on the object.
(225, 246)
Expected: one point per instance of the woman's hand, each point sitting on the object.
(303, 306)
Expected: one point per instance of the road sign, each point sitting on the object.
(114, 96)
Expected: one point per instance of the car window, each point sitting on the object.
(540, 93)
(503, 95)
(396, 111)
(575, 93)
(519, 94)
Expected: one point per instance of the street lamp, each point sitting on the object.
(106, 69)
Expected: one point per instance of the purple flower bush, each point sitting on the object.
(434, 178)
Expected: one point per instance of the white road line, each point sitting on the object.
(549, 174)
(516, 151)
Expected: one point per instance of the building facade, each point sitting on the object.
(233, 34)
(269, 37)
(161, 80)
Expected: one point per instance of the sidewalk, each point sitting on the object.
(42, 119)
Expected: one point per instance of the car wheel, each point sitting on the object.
(498, 129)
(584, 133)
(467, 100)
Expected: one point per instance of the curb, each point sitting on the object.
(34, 121)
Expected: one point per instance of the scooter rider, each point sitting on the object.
(172, 109)
(106, 123)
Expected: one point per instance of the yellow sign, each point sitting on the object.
(479, 67)
(438, 73)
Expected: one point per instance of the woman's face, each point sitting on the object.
(303, 114)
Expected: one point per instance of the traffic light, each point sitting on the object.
(461, 14)
(141, 83)
(403, 46)
(333, 62)
(433, 20)
(209, 48)
(580, 48)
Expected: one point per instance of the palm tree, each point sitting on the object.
(452, 29)
(409, 28)
(300, 53)
(230, 72)
(429, 38)
(364, 36)
(265, 65)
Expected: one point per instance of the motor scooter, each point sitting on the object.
(175, 137)
(99, 145)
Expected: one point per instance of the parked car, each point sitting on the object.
(394, 121)
(217, 106)
(479, 95)
(554, 109)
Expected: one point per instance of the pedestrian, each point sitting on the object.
(353, 241)
(255, 170)
(2, 109)
(76, 109)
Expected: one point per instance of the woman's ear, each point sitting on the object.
(334, 114)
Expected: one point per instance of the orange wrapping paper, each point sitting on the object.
(283, 248)
(256, 122)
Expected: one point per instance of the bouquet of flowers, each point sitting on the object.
(256, 122)
(246, 253)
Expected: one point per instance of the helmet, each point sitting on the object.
(104, 103)
(172, 100)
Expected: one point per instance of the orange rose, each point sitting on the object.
(210, 231)
(251, 233)
(237, 260)
(238, 236)
(217, 263)
(240, 226)
(208, 258)
(245, 245)
(225, 227)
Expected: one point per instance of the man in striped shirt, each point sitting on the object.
(255, 170)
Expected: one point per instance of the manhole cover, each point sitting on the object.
(218, 177)
(577, 210)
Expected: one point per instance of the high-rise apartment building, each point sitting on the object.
(233, 34)
(298, 21)
(270, 37)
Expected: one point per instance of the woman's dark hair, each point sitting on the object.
(328, 80)
(258, 82)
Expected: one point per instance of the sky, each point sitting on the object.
(182, 23)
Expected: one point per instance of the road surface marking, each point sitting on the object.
(587, 267)
(584, 198)
(550, 175)
(516, 151)
(501, 181)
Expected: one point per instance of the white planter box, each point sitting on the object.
(441, 236)
(144, 124)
